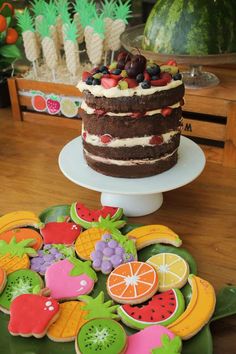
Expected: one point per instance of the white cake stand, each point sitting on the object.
(137, 196)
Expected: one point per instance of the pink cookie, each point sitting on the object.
(70, 278)
(31, 315)
(148, 339)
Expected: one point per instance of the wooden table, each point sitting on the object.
(203, 213)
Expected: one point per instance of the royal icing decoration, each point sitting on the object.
(60, 232)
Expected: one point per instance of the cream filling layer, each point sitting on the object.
(95, 140)
(90, 110)
(100, 91)
(128, 162)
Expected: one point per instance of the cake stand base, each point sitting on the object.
(137, 196)
(133, 205)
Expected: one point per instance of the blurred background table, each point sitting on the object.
(203, 213)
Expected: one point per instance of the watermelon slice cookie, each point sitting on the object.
(132, 283)
(162, 309)
(85, 216)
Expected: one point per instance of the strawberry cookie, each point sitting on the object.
(31, 315)
(70, 278)
(132, 283)
(60, 232)
(154, 340)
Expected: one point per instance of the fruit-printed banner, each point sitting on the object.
(54, 104)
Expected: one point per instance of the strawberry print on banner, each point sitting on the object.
(53, 105)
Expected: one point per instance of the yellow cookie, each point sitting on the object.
(151, 234)
(198, 311)
(172, 270)
(18, 219)
(71, 318)
(85, 243)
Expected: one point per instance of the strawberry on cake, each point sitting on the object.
(132, 117)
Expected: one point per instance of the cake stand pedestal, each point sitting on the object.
(137, 196)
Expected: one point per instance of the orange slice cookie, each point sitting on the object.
(132, 283)
(3, 279)
(172, 270)
(71, 319)
(151, 234)
(86, 242)
(23, 234)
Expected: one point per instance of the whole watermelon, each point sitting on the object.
(192, 27)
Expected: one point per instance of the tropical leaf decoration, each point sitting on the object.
(89, 13)
(38, 7)
(15, 248)
(109, 225)
(63, 11)
(122, 11)
(96, 307)
(43, 28)
(51, 13)
(108, 8)
(98, 25)
(25, 21)
(71, 32)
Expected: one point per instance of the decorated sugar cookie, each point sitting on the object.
(70, 278)
(23, 281)
(86, 217)
(3, 279)
(111, 251)
(85, 243)
(18, 219)
(173, 270)
(15, 255)
(198, 311)
(101, 335)
(154, 340)
(96, 307)
(23, 234)
(60, 232)
(31, 315)
(162, 309)
(132, 283)
(70, 320)
(49, 255)
(151, 234)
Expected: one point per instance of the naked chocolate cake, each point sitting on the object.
(132, 116)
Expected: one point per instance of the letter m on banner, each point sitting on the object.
(188, 127)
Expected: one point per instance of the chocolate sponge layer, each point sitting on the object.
(128, 127)
(144, 103)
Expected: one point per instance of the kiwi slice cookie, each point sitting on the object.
(23, 281)
(101, 335)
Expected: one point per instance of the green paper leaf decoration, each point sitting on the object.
(51, 13)
(38, 7)
(122, 11)
(108, 8)
(63, 11)
(98, 25)
(10, 51)
(25, 21)
(88, 13)
(44, 29)
(71, 32)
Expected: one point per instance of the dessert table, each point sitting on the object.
(203, 212)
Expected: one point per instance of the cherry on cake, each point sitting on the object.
(132, 117)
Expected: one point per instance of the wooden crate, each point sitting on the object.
(22, 92)
(209, 115)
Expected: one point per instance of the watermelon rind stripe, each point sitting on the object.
(137, 324)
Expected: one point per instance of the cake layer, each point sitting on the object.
(134, 152)
(133, 169)
(128, 127)
(135, 103)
